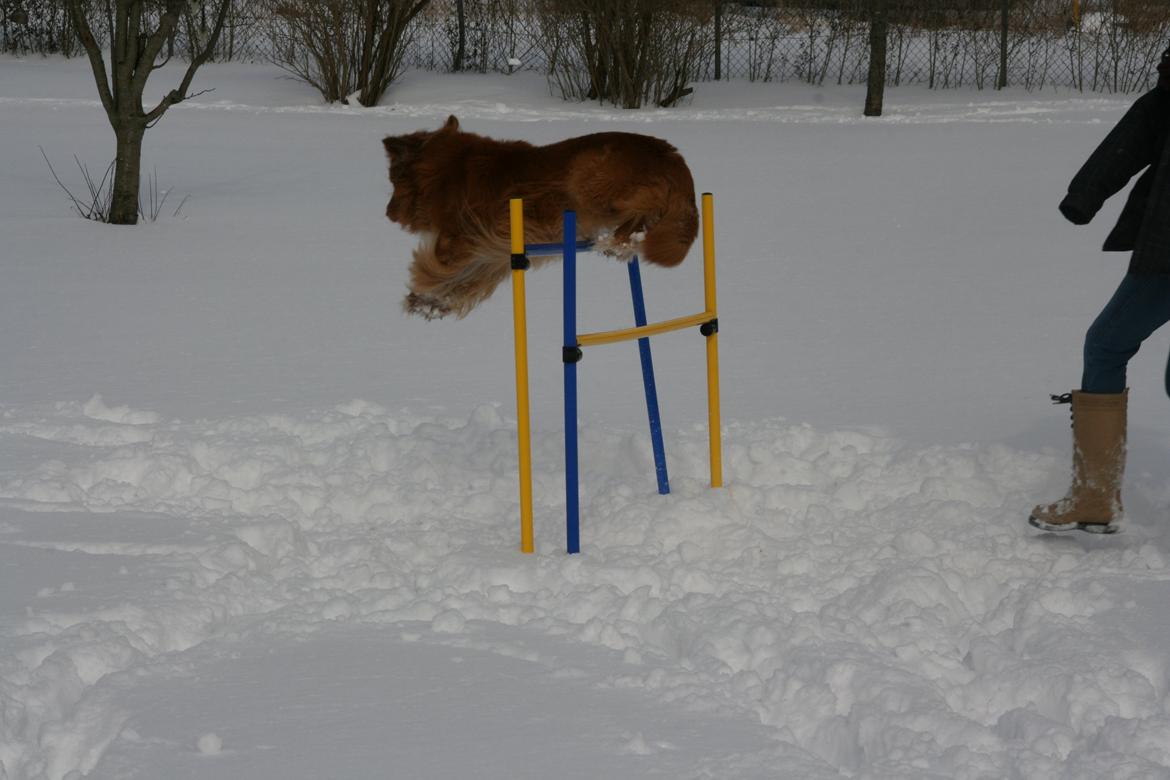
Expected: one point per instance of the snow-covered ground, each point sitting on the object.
(256, 523)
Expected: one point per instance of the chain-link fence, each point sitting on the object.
(43, 27)
(1096, 45)
(1091, 45)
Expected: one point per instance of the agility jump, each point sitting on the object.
(707, 321)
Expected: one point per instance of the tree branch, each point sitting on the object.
(198, 59)
(125, 28)
(89, 42)
(154, 45)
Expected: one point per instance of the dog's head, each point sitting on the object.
(407, 176)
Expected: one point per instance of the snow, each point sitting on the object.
(255, 522)
(209, 744)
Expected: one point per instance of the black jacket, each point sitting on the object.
(1138, 141)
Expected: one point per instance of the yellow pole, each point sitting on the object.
(714, 430)
(520, 322)
(1076, 13)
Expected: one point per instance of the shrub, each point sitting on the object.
(626, 52)
(345, 48)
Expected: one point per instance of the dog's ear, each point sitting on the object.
(452, 124)
(397, 146)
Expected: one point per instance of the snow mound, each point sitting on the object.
(880, 606)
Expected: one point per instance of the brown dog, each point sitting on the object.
(633, 194)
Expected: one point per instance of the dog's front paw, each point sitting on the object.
(425, 306)
(622, 247)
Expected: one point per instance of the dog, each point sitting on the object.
(633, 194)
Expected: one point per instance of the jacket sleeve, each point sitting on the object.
(1131, 146)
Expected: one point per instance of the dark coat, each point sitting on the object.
(1138, 141)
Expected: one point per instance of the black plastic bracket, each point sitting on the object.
(571, 354)
(710, 327)
(520, 262)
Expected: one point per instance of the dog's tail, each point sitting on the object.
(669, 239)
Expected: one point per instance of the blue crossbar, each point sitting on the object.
(546, 250)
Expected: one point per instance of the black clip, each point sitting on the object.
(571, 354)
(520, 262)
(710, 328)
(1066, 398)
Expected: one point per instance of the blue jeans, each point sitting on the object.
(1140, 306)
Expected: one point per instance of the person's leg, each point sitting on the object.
(1093, 503)
(1140, 306)
(1168, 377)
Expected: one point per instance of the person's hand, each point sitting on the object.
(1074, 213)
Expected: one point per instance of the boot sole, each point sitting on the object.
(1089, 528)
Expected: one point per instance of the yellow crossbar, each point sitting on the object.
(653, 329)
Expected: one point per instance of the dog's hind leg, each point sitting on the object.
(453, 275)
(669, 237)
(425, 306)
(482, 267)
(427, 273)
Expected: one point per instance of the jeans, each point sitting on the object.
(1140, 306)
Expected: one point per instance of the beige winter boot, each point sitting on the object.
(1093, 502)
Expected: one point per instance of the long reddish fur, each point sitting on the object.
(632, 193)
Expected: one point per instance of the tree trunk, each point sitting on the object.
(718, 39)
(461, 48)
(1004, 29)
(878, 30)
(127, 165)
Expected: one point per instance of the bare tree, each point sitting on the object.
(347, 48)
(139, 31)
(879, 25)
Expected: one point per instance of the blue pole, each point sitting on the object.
(648, 379)
(571, 354)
